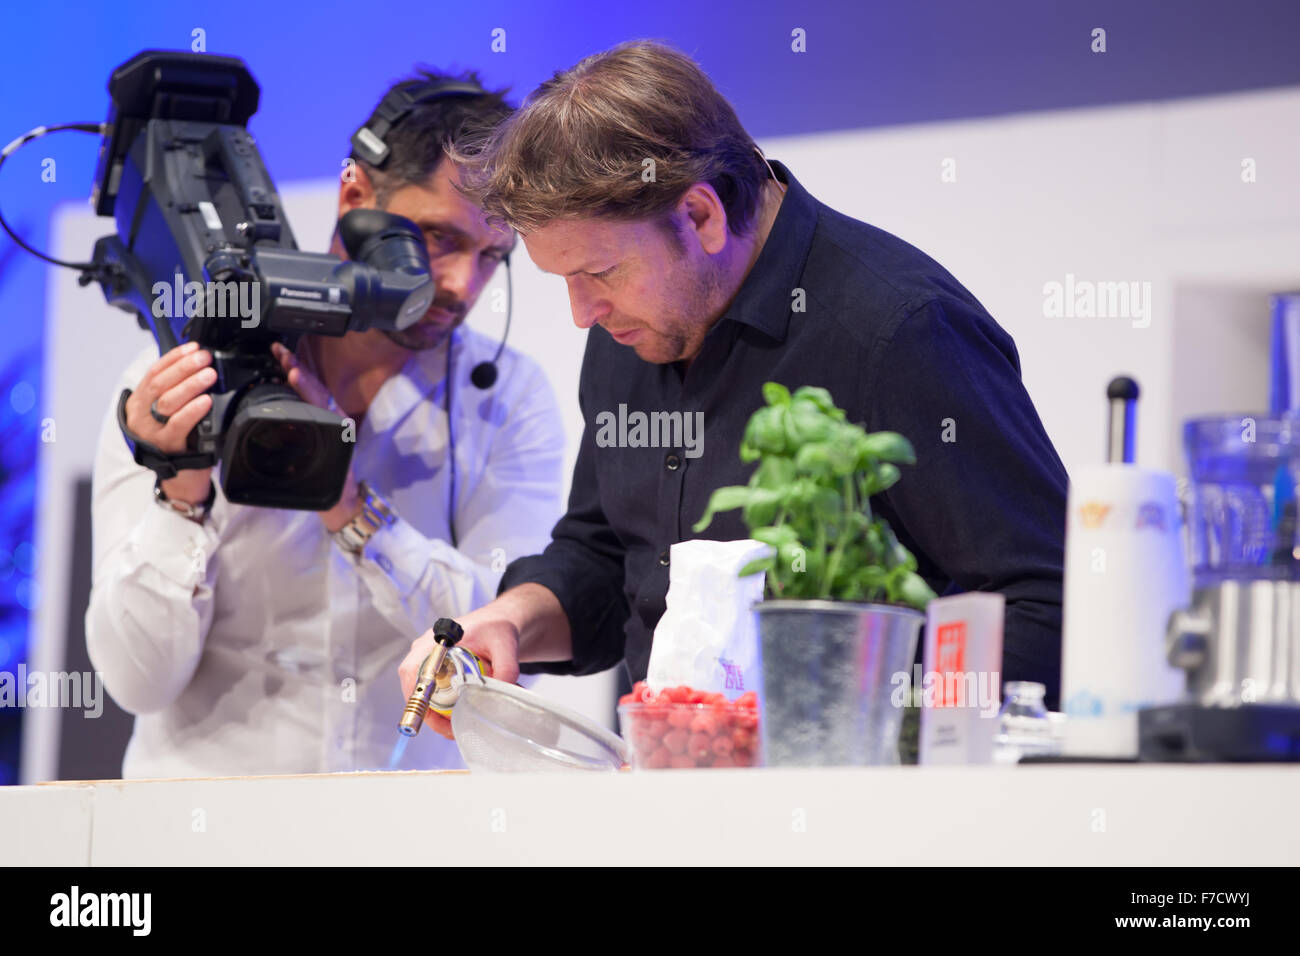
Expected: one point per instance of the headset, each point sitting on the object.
(369, 144)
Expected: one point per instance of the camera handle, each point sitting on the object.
(161, 463)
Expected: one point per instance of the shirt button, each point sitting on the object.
(663, 557)
(673, 462)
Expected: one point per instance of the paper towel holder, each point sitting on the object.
(1121, 435)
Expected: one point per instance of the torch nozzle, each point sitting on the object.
(446, 633)
(425, 684)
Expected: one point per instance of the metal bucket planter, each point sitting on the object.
(828, 681)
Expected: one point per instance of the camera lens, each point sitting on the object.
(279, 450)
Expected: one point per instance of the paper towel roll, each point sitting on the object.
(1124, 573)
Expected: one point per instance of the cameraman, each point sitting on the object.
(255, 640)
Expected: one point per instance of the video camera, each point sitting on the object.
(203, 252)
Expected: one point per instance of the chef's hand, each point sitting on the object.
(311, 389)
(492, 637)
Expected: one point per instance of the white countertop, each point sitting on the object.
(1206, 815)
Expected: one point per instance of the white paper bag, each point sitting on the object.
(707, 638)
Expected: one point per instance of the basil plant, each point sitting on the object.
(809, 500)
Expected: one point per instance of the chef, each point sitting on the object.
(702, 270)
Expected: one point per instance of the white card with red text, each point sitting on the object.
(958, 686)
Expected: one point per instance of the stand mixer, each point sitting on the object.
(1239, 640)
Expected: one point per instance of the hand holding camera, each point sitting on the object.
(169, 401)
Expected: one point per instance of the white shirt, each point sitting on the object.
(252, 643)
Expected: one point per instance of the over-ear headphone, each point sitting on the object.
(369, 143)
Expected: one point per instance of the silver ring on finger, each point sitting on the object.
(158, 416)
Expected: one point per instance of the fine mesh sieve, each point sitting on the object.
(503, 727)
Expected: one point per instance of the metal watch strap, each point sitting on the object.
(375, 514)
(184, 508)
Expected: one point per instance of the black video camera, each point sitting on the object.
(203, 252)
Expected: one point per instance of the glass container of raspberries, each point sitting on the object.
(680, 727)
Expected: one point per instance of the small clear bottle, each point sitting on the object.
(1024, 728)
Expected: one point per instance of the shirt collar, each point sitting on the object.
(765, 296)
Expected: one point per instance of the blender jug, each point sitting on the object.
(1239, 642)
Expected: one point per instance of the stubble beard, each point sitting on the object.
(417, 339)
(683, 337)
(424, 336)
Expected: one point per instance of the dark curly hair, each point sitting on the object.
(420, 141)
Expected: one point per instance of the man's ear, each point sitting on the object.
(706, 215)
(356, 191)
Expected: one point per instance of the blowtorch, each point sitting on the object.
(435, 685)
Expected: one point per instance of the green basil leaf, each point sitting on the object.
(887, 477)
(821, 398)
(766, 431)
(757, 565)
(727, 499)
(913, 590)
(775, 536)
(774, 473)
(814, 460)
(761, 509)
(809, 423)
(886, 446)
(774, 393)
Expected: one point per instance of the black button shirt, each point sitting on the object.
(901, 346)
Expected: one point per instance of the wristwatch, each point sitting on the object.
(375, 514)
(184, 508)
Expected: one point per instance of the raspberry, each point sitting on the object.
(706, 722)
(681, 717)
(676, 741)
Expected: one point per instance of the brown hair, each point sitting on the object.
(579, 146)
